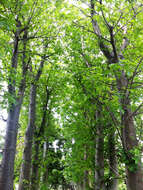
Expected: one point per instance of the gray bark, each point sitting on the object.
(24, 182)
(38, 145)
(99, 156)
(7, 172)
(7, 175)
(26, 165)
(113, 166)
(129, 139)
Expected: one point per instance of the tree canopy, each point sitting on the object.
(71, 84)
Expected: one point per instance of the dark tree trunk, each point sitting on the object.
(26, 165)
(99, 156)
(86, 181)
(6, 181)
(38, 145)
(86, 174)
(129, 139)
(25, 175)
(35, 166)
(99, 161)
(7, 173)
(45, 153)
(134, 176)
(113, 166)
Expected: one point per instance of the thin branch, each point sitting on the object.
(116, 24)
(104, 18)
(110, 29)
(2, 118)
(135, 72)
(129, 21)
(137, 109)
(115, 121)
(33, 8)
(138, 113)
(86, 61)
(88, 30)
(82, 11)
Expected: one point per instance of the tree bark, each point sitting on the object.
(6, 180)
(35, 166)
(99, 156)
(129, 139)
(26, 165)
(38, 145)
(24, 182)
(46, 171)
(7, 173)
(113, 166)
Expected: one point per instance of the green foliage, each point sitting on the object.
(81, 82)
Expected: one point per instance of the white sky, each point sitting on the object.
(3, 115)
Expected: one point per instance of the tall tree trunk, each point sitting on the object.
(35, 166)
(7, 173)
(38, 145)
(99, 156)
(129, 139)
(45, 153)
(85, 181)
(113, 167)
(26, 165)
(86, 174)
(6, 180)
(24, 182)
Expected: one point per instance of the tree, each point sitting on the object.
(15, 100)
(113, 39)
(83, 88)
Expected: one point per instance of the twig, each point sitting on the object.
(135, 72)
(137, 109)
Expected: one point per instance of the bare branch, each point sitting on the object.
(2, 118)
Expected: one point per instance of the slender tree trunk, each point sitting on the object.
(35, 166)
(6, 181)
(27, 153)
(45, 152)
(99, 157)
(7, 173)
(86, 181)
(37, 160)
(99, 161)
(129, 139)
(134, 176)
(24, 182)
(38, 145)
(86, 177)
(113, 167)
